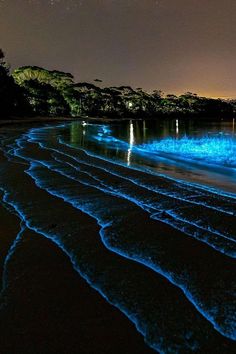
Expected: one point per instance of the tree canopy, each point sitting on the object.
(33, 90)
(11, 96)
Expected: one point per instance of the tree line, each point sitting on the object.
(35, 91)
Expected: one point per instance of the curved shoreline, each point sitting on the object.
(35, 120)
(61, 119)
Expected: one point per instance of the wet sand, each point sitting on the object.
(48, 308)
(30, 120)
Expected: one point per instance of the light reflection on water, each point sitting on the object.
(144, 143)
(197, 228)
(131, 142)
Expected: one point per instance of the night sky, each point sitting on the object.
(173, 45)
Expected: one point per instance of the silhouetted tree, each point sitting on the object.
(45, 99)
(39, 91)
(54, 78)
(11, 96)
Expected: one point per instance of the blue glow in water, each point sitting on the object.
(210, 233)
(91, 210)
(220, 172)
(212, 239)
(133, 317)
(105, 224)
(214, 150)
(220, 150)
(144, 204)
(10, 253)
(190, 186)
(114, 143)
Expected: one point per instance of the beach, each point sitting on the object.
(46, 307)
(94, 263)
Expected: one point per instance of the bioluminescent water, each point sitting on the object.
(202, 154)
(139, 210)
(207, 150)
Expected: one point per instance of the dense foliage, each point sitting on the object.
(12, 101)
(37, 91)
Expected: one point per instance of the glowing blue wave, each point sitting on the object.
(188, 334)
(160, 204)
(10, 253)
(160, 208)
(99, 215)
(150, 202)
(214, 150)
(141, 151)
(106, 221)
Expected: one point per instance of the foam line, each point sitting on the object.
(189, 340)
(106, 224)
(209, 314)
(227, 249)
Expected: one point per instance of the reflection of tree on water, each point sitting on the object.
(147, 143)
(176, 135)
(147, 130)
(144, 130)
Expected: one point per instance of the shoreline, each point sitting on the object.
(38, 119)
(48, 307)
(60, 119)
(39, 269)
(33, 120)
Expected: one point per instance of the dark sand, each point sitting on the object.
(48, 308)
(31, 120)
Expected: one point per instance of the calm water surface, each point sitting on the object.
(146, 144)
(112, 205)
